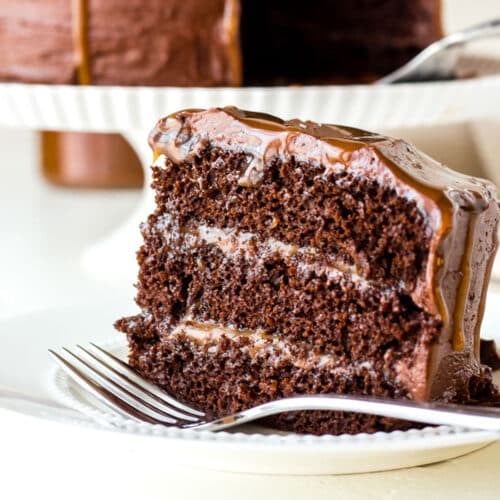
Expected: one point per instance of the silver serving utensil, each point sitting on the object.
(439, 60)
(119, 387)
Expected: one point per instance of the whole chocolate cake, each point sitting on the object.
(294, 258)
(201, 43)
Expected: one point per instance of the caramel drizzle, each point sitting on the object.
(463, 288)
(210, 327)
(438, 19)
(80, 21)
(436, 269)
(438, 291)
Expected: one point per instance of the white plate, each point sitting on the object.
(27, 338)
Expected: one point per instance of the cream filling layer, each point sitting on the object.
(232, 242)
(272, 347)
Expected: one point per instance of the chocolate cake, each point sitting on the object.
(293, 258)
(200, 43)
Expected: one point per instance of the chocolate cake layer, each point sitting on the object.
(292, 257)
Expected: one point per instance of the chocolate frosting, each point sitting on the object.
(461, 213)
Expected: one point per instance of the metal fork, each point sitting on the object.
(439, 60)
(122, 389)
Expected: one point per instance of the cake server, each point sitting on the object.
(439, 60)
(120, 388)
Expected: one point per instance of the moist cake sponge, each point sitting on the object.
(293, 257)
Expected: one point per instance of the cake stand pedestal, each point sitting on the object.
(133, 111)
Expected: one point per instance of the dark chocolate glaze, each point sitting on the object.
(461, 213)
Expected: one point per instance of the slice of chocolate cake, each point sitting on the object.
(293, 258)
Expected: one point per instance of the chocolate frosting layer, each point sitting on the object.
(461, 213)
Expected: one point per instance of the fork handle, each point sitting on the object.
(480, 418)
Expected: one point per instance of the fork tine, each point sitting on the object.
(93, 372)
(101, 393)
(145, 385)
(138, 389)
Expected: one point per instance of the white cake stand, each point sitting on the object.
(133, 111)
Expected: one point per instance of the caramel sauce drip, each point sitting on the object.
(351, 139)
(232, 26)
(80, 21)
(420, 176)
(463, 288)
(438, 292)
